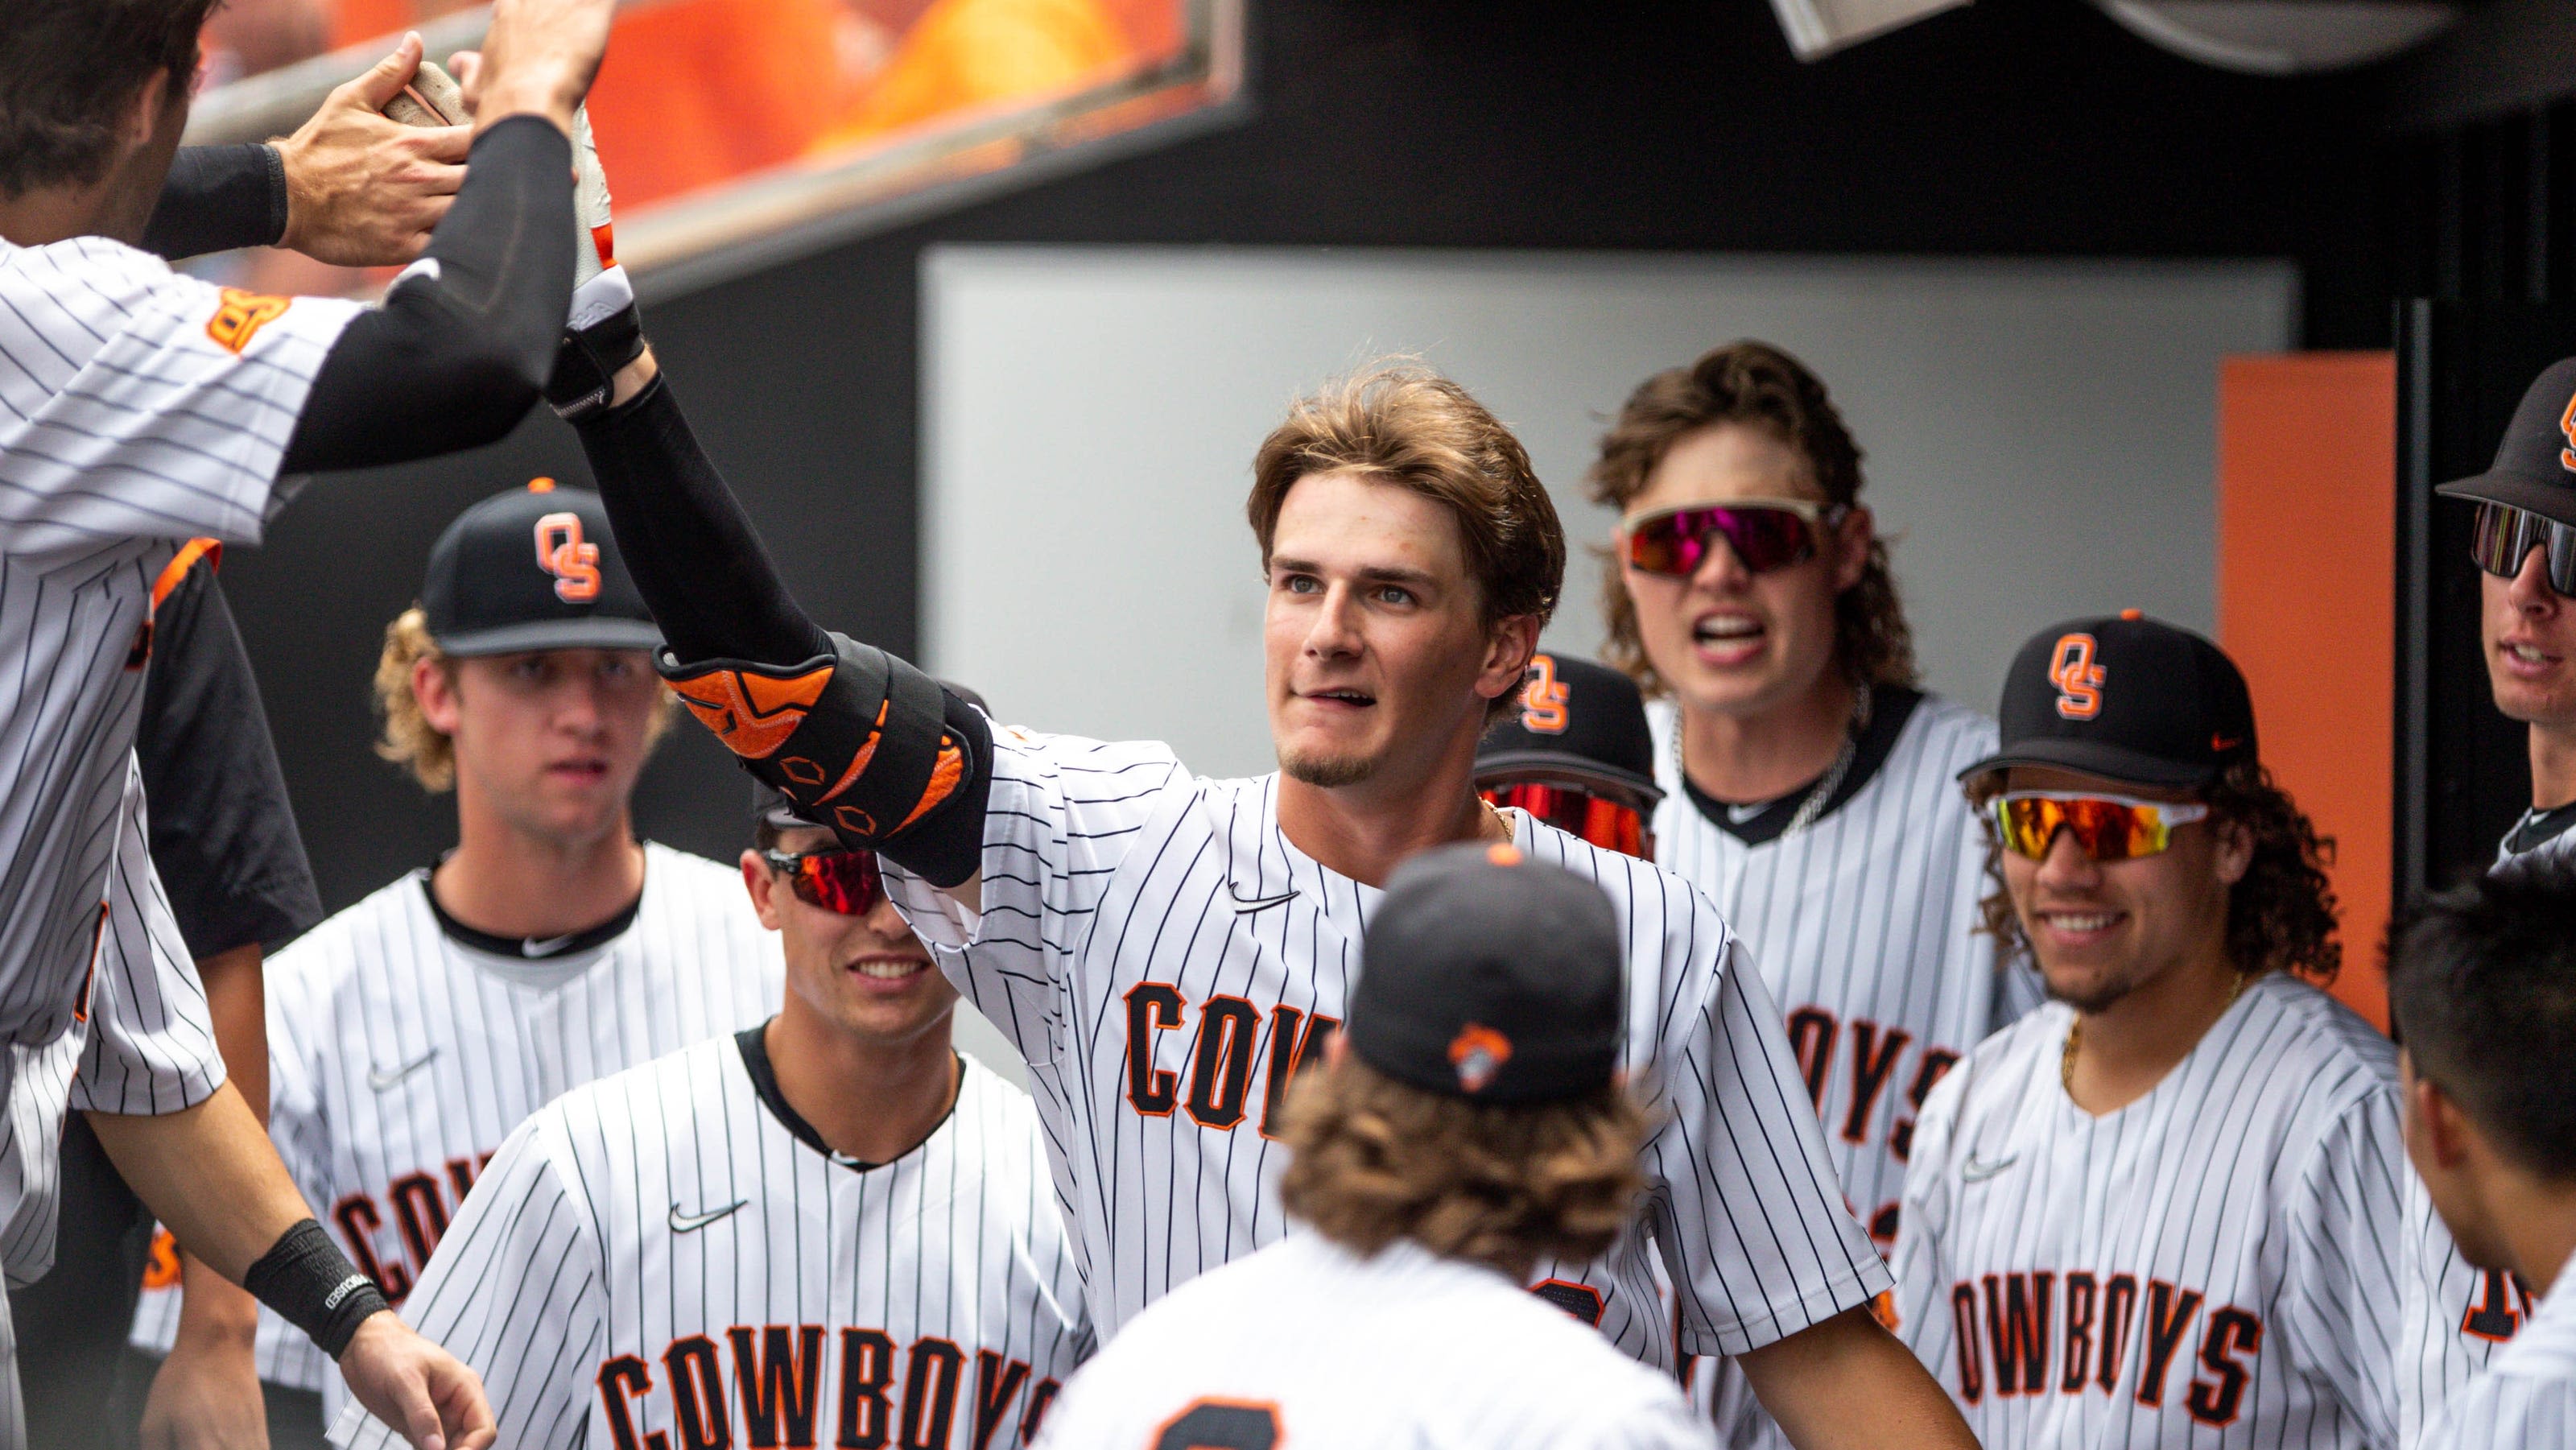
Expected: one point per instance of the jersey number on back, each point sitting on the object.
(1220, 1425)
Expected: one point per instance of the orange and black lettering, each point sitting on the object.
(930, 1393)
(1041, 1399)
(358, 1220)
(867, 1370)
(997, 1383)
(697, 1393)
(1295, 1041)
(621, 1379)
(2169, 1315)
(241, 315)
(781, 1378)
(2231, 1331)
(2017, 1326)
(1151, 1007)
(2080, 1293)
(1221, 1069)
(2492, 1315)
(421, 1215)
(1963, 1331)
(1212, 1424)
(1936, 1061)
(1873, 1062)
(1578, 1299)
(1811, 1036)
(460, 1172)
(2119, 1301)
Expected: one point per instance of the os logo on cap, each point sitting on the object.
(1478, 1052)
(2567, 426)
(562, 552)
(2077, 678)
(1544, 699)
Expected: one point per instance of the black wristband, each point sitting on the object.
(313, 1286)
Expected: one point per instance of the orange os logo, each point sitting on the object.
(561, 552)
(1478, 1052)
(240, 315)
(2077, 678)
(2567, 426)
(1543, 700)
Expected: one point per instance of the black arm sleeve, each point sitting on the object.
(223, 836)
(218, 198)
(455, 356)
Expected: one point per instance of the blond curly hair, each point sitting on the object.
(409, 740)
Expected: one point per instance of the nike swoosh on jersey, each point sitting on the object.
(686, 1222)
(1973, 1171)
(384, 1082)
(531, 948)
(1260, 903)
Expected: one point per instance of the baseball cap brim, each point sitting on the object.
(2551, 499)
(544, 634)
(1521, 763)
(2094, 757)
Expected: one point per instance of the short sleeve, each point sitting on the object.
(151, 1036)
(2342, 1304)
(1757, 1238)
(1923, 1315)
(1061, 817)
(516, 1291)
(223, 834)
(139, 403)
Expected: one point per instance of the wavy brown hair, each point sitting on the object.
(1755, 384)
(1378, 1160)
(2280, 914)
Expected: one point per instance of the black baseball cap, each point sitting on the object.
(1488, 976)
(2127, 698)
(771, 805)
(1577, 719)
(2535, 464)
(535, 568)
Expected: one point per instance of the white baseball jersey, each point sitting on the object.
(671, 1257)
(2527, 1397)
(1165, 959)
(400, 1057)
(2215, 1262)
(138, 408)
(1863, 926)
(1306, 1343)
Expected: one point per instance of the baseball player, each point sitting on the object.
(144, 408)
(1167, 950)
(2478, 986)
(829, 1229)
(1576, 755)
(409, 1034)
(1807, 780)
(2459, 1314)
(1470, 1123)
(2164, 1206)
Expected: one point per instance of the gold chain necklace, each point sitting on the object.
(2075, 1033)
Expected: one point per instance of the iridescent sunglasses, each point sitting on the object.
(848, 882)
(1765, 533)
(2106, 827)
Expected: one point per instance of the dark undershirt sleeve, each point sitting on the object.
(456, 355)
(218, 198)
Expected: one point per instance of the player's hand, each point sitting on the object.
(206, 1396)
(416, 1387)
(362, 190)
(538, 58)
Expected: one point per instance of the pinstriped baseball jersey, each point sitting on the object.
(137, 408)
(2214, 1262)
(400, 1057)
(664, 1259)
(1165, 959)
(1306, 1343)
(2527, 1397)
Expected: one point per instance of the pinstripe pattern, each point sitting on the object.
(1112, 878)
(1398, 1351)
(2527, 1397)
(467, 1045)
(125, 428)
(2209, 1265)
(566, 1286)
(1863, 928)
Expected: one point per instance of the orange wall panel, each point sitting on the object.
(2307, 570)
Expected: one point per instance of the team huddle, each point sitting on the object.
(1729, 1041)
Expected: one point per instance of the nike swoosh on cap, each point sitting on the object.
(383, 1081)
(685, 1222)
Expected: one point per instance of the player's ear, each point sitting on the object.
(433, 684)
(2235, 854)
(1851, 547)
(150, 100)
(1508, 650)
(763, 886)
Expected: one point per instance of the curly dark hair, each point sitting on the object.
(2280, 914)
(1753, 383)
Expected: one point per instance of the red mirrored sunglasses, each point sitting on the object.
(1766, 534)
(844, 881)
(1610, 824)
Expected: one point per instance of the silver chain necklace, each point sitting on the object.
(1826, 785)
